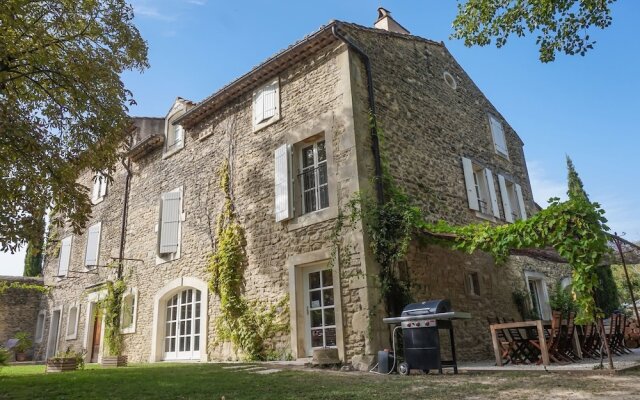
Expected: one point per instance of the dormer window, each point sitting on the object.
(499, 140)
(266, 105)
(174, 137)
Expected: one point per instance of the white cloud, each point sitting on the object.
(544, 187)
(151, 12)
(197, 2)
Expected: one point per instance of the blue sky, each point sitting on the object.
(586, 107)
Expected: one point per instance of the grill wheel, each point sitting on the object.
(403, 368)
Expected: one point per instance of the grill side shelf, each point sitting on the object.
(447, 315)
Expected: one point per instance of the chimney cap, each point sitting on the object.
(386, 22)
(383, 12)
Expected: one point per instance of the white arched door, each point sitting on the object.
(183, 326)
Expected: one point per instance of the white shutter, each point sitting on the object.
(523, 211)
(103, 185)
(65, 256)
(497, 131)
(492, 193)
(93, 245)
(258, 106)
(170, 222)
(472, 195)
(269, 101)
(506, 202)
(178, 133)
(284, 203)
(95, 194)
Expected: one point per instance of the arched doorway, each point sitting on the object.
(180, 321)
(183, 325)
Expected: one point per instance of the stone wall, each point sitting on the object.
(19, 308)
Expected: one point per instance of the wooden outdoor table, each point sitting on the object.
(524, 324)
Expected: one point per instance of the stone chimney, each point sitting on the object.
(387, 23)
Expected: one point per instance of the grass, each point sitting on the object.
(211, 381)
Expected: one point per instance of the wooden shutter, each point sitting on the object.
(258, 106)
(170, 222)
(506, 202)
(492, 193)
(93, 245)
(497, 131)
(472, 195)
(284, 198)
(269, 101)
(95, 194)
(65, 256)
(523, 211)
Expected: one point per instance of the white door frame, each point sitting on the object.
(92, 306)
(191, 354)
(307, 307)
(52, 342)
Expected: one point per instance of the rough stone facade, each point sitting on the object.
(428, 127)
(19, 308)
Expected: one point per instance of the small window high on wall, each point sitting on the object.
(499, 139)
(481, 191)
(266, 105)
(99, 188)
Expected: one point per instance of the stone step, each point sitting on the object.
(267, 371)
(239, 367)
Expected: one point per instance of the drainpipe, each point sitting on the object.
(375, 145)
(125, 211)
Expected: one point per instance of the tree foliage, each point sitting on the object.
(35, 251)
(560, 25)
(624, 296)
(63, 107)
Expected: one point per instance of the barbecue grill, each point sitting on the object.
(421, 323)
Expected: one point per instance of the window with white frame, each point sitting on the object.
(497, 132)
(266, 104)
(313, 177)
(99, 188)
(65, 256)
(175, 136)
(539, 295)
(481, 191)
(40, 326)
(169, 225)
(129, 311)
(72, 322)
(512, 200)
(92, 250)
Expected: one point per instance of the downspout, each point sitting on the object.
(125, 212)
(375, 145)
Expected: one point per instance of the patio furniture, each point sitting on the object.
(590, 341)
(566, 345)
(555, 339)
(516, 326)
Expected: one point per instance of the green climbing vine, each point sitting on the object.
(4, 286)
(247, 324)
(112, 307)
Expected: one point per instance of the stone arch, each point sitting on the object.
(159, 302)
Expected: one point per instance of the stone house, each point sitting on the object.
(295, 132)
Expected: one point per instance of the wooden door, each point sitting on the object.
(95, 346)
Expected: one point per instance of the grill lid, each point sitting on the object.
(427, 307)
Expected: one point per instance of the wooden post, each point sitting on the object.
(543, 343)
(496, 346)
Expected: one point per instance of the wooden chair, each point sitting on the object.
(506, 344)
(565, 348)
(589, 341)
(523, 352)
(554, 340)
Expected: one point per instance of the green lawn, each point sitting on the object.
(210, 381)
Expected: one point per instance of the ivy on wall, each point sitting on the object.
(4, 286)
(112, 306)
(248, 325)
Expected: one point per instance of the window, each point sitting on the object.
(72, 322)
(65, 256)
(99, 188)
(129, 310)
(473, 283)
(512, 201)
(497, 132)
(93, 246)
(313, 177)
(40, 326)
(538, 293)
(182, 334)
(169, 225)
(266, 105)
(481, 192)
(175, 137)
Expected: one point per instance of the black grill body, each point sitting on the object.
(421, 338)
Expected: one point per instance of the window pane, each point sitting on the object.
(327, 297)
(324, 196)
(196, 343)
(314, 280)
(314, 298)
(198, 294)
(197, 327)
(329, 316)
(331, 337)
(173, 345)
(181, 343)
(322, 153)
(307, 157)
(316, 338)
(310, 201)
(327, 278)
(316, 318)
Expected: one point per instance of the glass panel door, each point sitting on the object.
(182, 326)
(320, 306)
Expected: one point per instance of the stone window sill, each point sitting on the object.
(173, 151)
(486, 217)
(313, 218)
